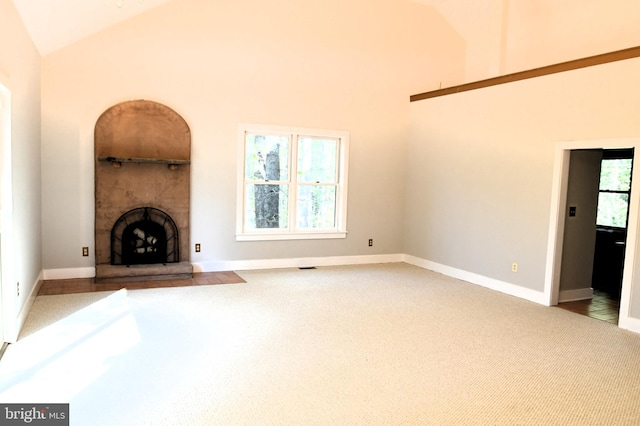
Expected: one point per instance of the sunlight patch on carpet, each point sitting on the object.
(64, 358)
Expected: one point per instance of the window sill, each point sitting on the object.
(297, 236)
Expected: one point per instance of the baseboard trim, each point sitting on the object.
(239, 265)
(69, 273)
(575, 295)
(629, 323)
(303, 262)
(3, 348)
(490, 283)
(21, 318)
(299, 262)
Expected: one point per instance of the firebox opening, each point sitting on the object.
(144, 236)
(144, 242)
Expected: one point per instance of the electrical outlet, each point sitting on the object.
(198, 248)
(370, 242)
(514, 267)
(85, 251)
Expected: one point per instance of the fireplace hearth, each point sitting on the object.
(142, 193)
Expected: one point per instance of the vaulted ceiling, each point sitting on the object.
(55, 24)
(493, 30)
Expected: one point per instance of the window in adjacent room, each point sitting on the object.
(615, 188)
(292, 183)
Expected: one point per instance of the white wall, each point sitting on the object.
(20, 71)
(478, 164)
(481, 165)
(331, 64)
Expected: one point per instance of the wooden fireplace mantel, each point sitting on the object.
(169, 161)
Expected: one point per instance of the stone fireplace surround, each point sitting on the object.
(142, 159)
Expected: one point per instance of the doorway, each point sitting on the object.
(595, 232)
(562, 210)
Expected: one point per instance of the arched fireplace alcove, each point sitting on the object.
(142, 192)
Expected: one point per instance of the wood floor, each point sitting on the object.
(603, 307)
(86, 285)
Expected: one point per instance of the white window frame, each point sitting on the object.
(292, 232)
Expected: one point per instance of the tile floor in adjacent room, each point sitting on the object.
(85, 285)
(603, 307)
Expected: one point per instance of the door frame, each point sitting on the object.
(5, 138)
(557, 223)
(7, 310)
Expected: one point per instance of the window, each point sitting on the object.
(292, 183)
(615, 187)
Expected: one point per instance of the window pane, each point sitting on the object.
(316, 206)
(615, 175)
(266, 157)
(612, 209)
(266, 206)
(317, 160)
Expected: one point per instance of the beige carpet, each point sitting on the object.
(385, 344)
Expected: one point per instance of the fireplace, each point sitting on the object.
(144, 236)
(142, 193)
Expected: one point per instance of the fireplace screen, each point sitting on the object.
(144, 236)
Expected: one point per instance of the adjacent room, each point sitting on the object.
(336, 212)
